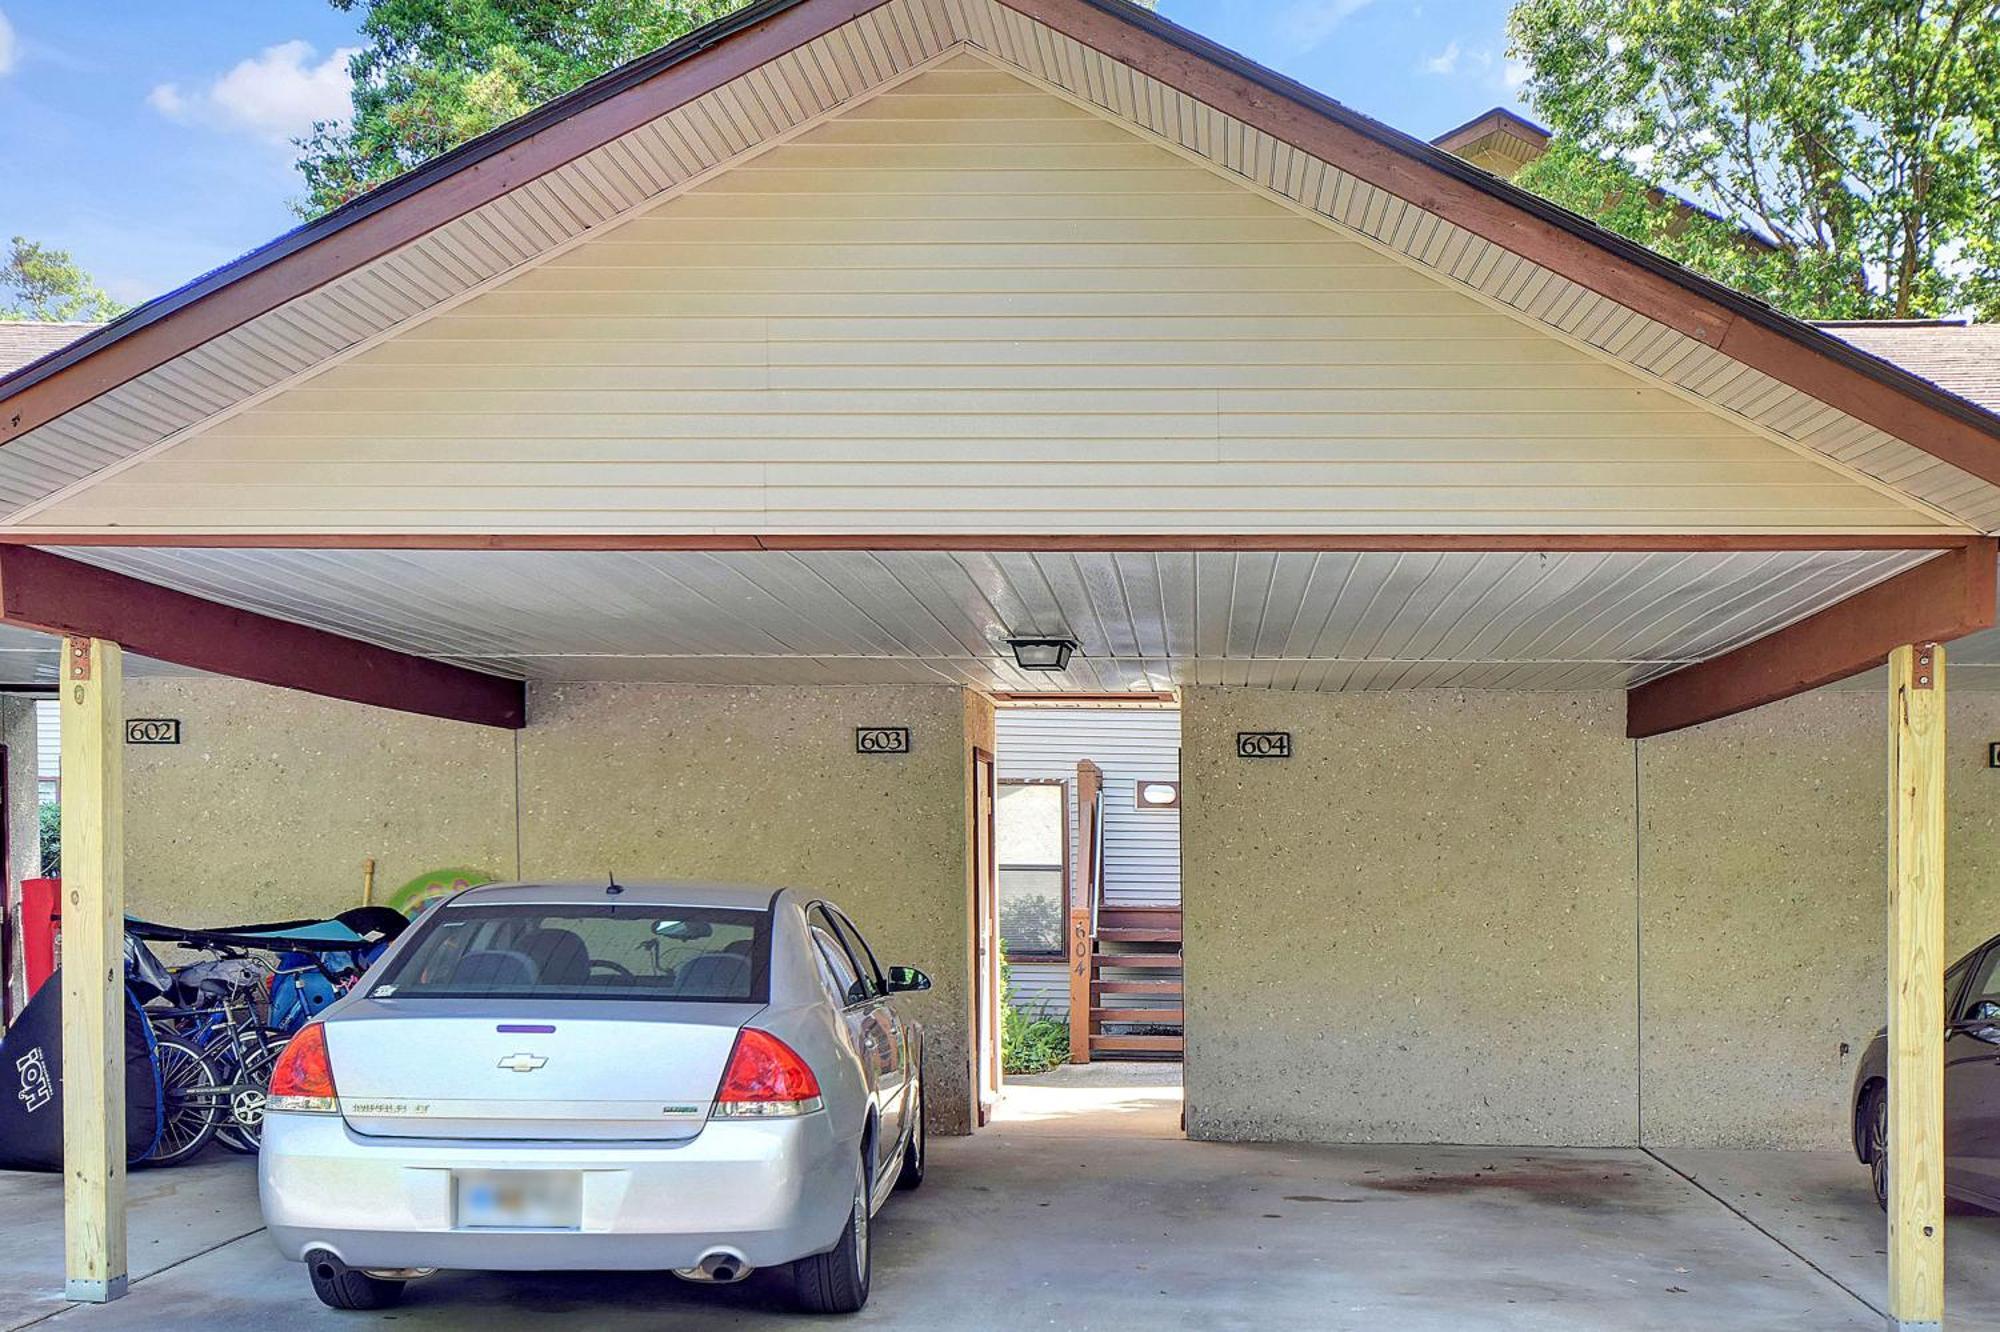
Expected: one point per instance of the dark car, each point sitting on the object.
(1971, 1086)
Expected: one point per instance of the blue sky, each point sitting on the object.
(152, 139)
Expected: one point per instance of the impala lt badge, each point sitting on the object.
(522, 1063)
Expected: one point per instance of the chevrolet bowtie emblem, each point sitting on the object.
(522, 1063)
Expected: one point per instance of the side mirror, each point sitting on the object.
(907, 980)
(1983, 1022)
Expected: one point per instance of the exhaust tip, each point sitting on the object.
(721, 1267)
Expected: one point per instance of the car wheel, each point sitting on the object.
(1877, 1112)
(837, 1281)
(913, 1156)
(342, 1287)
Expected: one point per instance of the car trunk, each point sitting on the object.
(448, 1068)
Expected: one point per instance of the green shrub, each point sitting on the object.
(51, 840)
(1027, 1045)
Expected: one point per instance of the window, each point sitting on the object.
(1985, 988)
(537, 951)
(864, 956)
(836, 969)
(850, 964)
(1031, 827)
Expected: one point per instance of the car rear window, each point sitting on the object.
(522, 950)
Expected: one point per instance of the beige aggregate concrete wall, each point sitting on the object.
(763, 785)
(1763, 902)
(273, 798)
(1418, 929)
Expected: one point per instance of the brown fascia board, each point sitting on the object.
(1947, 596)
(1864, 386)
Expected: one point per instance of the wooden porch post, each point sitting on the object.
(1080, 940)
(1916, 986)
(93, 971)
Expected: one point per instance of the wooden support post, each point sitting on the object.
(93, 971)
(1916, 986)
(1082, 940)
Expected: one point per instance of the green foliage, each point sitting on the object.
(434, 73)
(1862, 135)
(1032, 1045)
(38, 283)
(1027, 1045)
(51, 830)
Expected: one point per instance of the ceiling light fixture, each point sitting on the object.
(1042, 654)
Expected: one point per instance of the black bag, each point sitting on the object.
(31, 1084)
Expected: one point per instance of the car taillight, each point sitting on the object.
(766, 1078)
(302, 1079)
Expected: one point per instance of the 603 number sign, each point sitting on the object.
(881, 739)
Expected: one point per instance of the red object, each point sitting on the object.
(41, 929)
(763, 1069)
(304, 1071)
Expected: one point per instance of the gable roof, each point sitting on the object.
(1585, 282)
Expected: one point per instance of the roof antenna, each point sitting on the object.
(611, 884)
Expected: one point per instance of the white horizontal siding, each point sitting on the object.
(1142, 848)
(1039, 989)
(971, 304)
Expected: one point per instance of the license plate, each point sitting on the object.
(518, 1199)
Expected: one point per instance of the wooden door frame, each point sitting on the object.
(985, 978)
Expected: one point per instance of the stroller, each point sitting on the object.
(31, 1117)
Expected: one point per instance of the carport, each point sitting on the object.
(605, 477)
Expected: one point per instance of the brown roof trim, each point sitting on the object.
(1942, 598)
(1866, 387)
(63, 596)
(1787, 349)
(1157, 542)
(441, 190)
(1498, 118)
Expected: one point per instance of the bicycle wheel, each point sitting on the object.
(195, 1102)
(243, 1127)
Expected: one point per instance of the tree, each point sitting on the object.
(434, 73)
(38, 283)
(1862, 136)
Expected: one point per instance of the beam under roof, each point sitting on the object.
(1943, 598)
(42, 591)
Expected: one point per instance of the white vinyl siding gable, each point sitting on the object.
(969, 305)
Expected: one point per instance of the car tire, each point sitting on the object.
(836, 1282)
(912, 1174)
(342, 1287)
(1875, 1128)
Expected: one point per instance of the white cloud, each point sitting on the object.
(1445, 61)
(10, 48)
(275, 95)
(1515, 74)
(1307, 23)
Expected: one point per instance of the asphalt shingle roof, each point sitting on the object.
(1958, 357)
(25, 340)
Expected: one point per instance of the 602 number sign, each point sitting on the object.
(881, 739)
(1264, 744)
(152, 730)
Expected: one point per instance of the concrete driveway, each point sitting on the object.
(1106, 1219)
